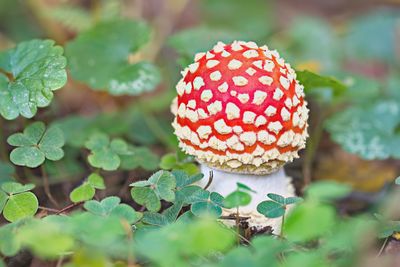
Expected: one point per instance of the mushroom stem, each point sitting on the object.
(225, 182)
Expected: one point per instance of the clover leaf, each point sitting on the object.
(36, 144)
(16, 202)
(35, 69)
(111, 206)
(168, 216)
(99, 57)
(370, 131)
(208, 204)
(240, 197)
(276, 207)
(141, 157)
(105, 154)
(7, 171)
(149, 193)
(87, 190)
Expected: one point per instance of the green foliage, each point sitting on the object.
(327, 191)
(16, 202)
(99, 58)
(312, 81)
(208, 204)
(240, 197)
(106, 154)
(141, 157)
(36, 144)
(172, 161)
(6, 172)
(37, 68)
(370, 131)
(276, 207)
(111, 206)
(87, 190)
(149, 193)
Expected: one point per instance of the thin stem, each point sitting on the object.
(382, 247)
(210, 179)
(283, 222)
(60, 261)
(71, 206)
(237, 225)
(311, 149)
(48, 209)
(46, 186)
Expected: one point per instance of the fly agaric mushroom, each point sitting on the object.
(241, 113)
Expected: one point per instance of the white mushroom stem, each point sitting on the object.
(224, 183)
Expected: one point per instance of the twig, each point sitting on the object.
(60, 261)
(283, 222)
(46, 186)
(382, 247)
(48, 209)
(210, 179)
(71, 206)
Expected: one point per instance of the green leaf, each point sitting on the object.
(99, 57)
(244, 187)
(141, 157)
(312, 81)
(237, 199)
(191, 194)
(7, 171)
(145, 196)
(38, 68)
(126, 212)
(102, 208)
(397, 181)
(15, 188)
(96, 181)
(309, 220)
(277, 198)
(211, 205)
(372, 36)
(271, 209)
(36, 144)
(370, 131)
(327, 190)
(3, 200)
(20, 206)
(82, 193)
(168, 216)
(183, 179)
(106, 154)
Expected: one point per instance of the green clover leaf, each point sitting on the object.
(276, 207)
(210, 204)
(99, 57)
(87, 190)
(36, 68)
(160, 185)
(106, 154)
(16, 202)
(141, 157)
(36, 144)
(111, 206)
(240, 197)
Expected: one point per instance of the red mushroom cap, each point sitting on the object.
(240, 108)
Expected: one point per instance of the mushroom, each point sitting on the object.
(241, 113)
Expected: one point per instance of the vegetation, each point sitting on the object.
(90, 171)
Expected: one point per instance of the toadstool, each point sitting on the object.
(241, 113)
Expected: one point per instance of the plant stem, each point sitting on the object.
(237, 224)
(71, 206)
(210, 179)
(283, 222)
(382, 247)
(46, 186)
